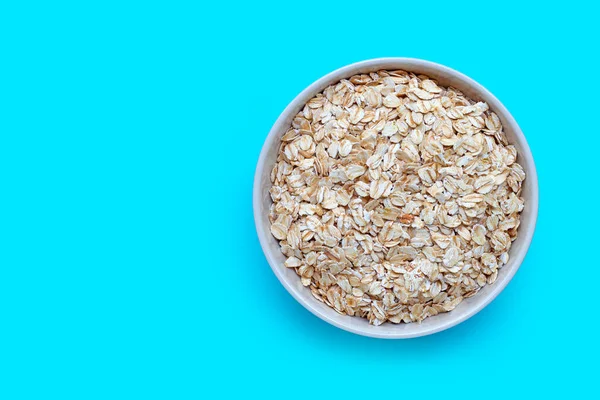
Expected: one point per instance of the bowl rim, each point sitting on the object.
(347, 71)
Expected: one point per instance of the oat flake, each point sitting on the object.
(395, 198)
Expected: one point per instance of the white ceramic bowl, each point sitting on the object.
(469, 307)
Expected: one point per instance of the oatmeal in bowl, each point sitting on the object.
(395, 196)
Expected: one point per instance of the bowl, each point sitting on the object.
(467, 308)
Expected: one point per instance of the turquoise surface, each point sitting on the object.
(129, 263)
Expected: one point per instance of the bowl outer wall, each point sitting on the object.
(467, 308)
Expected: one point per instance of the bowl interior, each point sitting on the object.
(467, 308)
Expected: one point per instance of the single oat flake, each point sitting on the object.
(395, 198)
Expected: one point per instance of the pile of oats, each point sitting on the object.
(394, 198)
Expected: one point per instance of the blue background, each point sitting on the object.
(129, 264)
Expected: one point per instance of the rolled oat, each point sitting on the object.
(395, 198)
